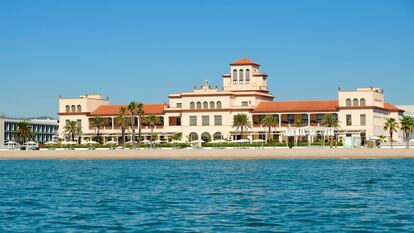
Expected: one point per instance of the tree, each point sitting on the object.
(136, 110)
(270, 122)
(241, 121)
(98, 122)
(122, 121)
(298, 124)
(407, 126)
(392, 126)
(24, 132)
(151, 121)
(331, 121)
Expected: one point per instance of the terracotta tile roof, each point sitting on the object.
(298, 106)
(112, 110)
(244, 61)
(391, 108)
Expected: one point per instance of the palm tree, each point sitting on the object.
(270, 122)
(151, 121)
(331, 121)
(98, 122)
(407, 126)
(24, 132)
(133, 112)
(122, 122)
(241, 121)
(298, 123)
(392, 126)
(140, 113)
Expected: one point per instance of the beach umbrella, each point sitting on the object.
(69, 143)
(157, 141)
(175, 142)
(146, 141)
(258, 140)
(11, 143)
(51, 143)
(374, 138)
(111, 143)
(92, 142)
(243, 141)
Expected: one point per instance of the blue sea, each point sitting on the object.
(207, 196)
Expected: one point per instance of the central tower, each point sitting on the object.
(244, 76)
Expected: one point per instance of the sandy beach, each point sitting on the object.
(209, 154)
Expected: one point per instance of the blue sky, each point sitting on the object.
(144, 50)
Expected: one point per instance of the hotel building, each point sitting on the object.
(207, 112)
(44, 129)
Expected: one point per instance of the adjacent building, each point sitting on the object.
(44, 129)
(207, 112)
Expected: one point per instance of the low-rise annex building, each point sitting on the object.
(207, 112)
(44, 129)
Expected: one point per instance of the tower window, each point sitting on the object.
(234, 75)
(348, 102)
(241, 76)
(198, 105)
(247, 76)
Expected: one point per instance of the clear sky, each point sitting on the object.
(144, 50)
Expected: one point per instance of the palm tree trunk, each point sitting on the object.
(407, 136)
(152, 130)
(123, 136)
(133, 132)
(391, 138)
(268, 139)
(139, 131)
(241, 133)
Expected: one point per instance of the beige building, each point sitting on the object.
(207, 112)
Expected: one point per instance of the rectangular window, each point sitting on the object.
(245, 104)
(193, 120)
(205, 120)
(319, 117)
(348, 119)
(291, 118)
(179, 105)
(363, 119)
(218, 120)
(305, 118)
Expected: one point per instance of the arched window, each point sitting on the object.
(73, 108)
(67, 108)
(198, 105)
(247, 76)
(217, 136)
(241, 75)
(206, 137)
(192, 105)
(218, 105)
(234, 75)
(193, 136)
(362, 102)
(212, 104)
(205, 104)
(79, 108)
(355, 102)
(348, 102)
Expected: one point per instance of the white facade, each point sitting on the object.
(209, 111)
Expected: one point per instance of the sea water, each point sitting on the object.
(207, 196)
